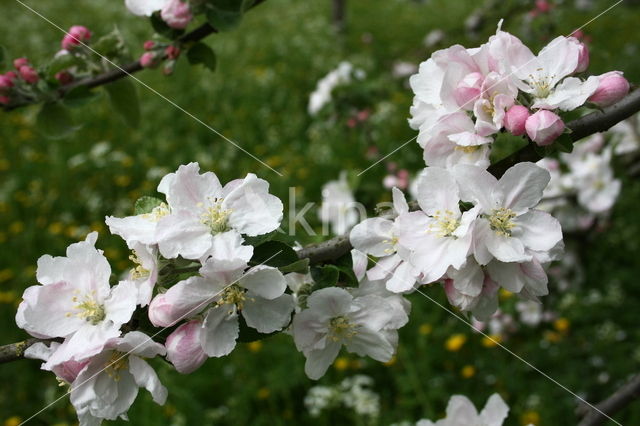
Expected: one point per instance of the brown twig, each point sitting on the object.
(620, 399)
(15, 351)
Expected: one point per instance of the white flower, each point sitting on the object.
(438, 236)
(224, 291)
(508, 228)
(144, 7)
(379, 237)
(338, 205)
(530, 312)
(321, 96)
(76, 302)
(109, 383)
(145, 273)
(335, 318)
(462, 412)
(471, 289)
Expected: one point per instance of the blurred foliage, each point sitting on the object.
(53, 192)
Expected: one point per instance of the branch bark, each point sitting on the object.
(620, 399)
(15, 351)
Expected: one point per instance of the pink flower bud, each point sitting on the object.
(11, 75)
(20, 62)
(28, 74)
(4, 100)
(583, 58)
(75, 36)
(363, 115)
(613, 87)
(176, 14)
(184, 350)
(149, 44)
(149, 60)
(515, 119)
(543, 6)
(351, 123)
(544, 127)
(5, 83)
(64, 77)
(468, 90)
(172, 52)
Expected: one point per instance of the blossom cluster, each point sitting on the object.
(465, 97)
(343, 74)
(353, 393)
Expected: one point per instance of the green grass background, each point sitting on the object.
(53, 192)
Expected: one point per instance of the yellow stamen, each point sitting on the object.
(500, 221)
(340, 328)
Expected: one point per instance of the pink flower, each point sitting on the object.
(64, 77)
(172, 52)
(76, 35)
(515, 119)
(20, 62)
(176, 14)
(544, 127)
(611, 88)
(352, 122)
(543, 6)
(28, 74)
(5, 83)
(11, 75)
(149, 44)
(149, 60)
(583, 55)
(363, 115)
(468, 90)
(184, 350)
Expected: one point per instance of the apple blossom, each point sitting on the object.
(335, 318)
(76, 35)
(149, 45)
(76, 302)
(544, 127)
(20, 62)
(29, 74)
(507, 227)
(5, 83)
(612, 87)
(461, 411)
(145, 7)
(343, 74)
(184, 350)
(515, 119)
(338, 205)
(583, 58)
(176, 14)
(172, 52)
(149, 60)
(64, 77)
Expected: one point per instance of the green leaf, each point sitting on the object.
(505, 145)
(259, 239)
(146, 204)
(200, 53)
(249, 334)
(325, 276)
(564, 143)
(301, 267)
(54, 121)
(79, 96)
(163, 29)
(223, 17)
(274, 253)
(124, 99)
(109, 45)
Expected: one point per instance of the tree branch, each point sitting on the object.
(620, 399)
(15, 351)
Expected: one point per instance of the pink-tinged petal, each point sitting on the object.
(183, 234)
(373, 236)
(319, 360)
(121, 303)
(538, 230)
(88, 341)
(253, 210)
(146, 377)
(332, 301)
(487, 303)
(265, 281)
(268, 316)
(476, 185)
(536, 278)
(221, 330)
(49, 310)
(138, 343)
(507, 275)
(360, 262)
(370, 343)
(468, 279)
(521, 186)
(495, 412)
(183, 300)
(184, 350)
(384, 267)
(188, 189)
(437, 190)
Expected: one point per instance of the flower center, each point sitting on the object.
(90, 310)
(138, 272)
(118, 361)
(541, 84)
(468, 149)
(501, 221)
(157, 213)
(393, 241)
(233, 295)
(340, 328)
(215, 217)
(445, 223)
